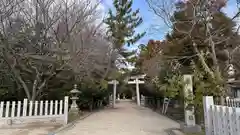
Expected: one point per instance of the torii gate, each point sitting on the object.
(137, 82)
(114, 82)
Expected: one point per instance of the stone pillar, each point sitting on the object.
(189, 126)
(114, 94)
(137, 92)
(110, 99)
(165, 105)
(114, 82)
(188, 92)
(142, 100)
(118, 96)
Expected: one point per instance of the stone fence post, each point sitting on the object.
(142, 100)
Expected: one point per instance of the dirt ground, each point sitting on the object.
(29, 130)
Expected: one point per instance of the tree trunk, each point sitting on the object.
(27, 92)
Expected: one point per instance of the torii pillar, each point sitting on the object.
(137, 82)
(114, 82)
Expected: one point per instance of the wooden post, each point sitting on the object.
(66, 110)
(207, 103)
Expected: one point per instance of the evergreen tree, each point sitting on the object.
(122, 23)
(210, 35)
(185, 32)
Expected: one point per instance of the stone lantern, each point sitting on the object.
(231, 73)
(74, 97)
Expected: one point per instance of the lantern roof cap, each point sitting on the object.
(75, 90)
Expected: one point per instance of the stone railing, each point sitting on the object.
(153, 103)
(91, 105)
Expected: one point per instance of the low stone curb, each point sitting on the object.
(174, 131)
(69, 125)
(169, 132)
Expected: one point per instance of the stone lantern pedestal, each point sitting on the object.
(74, 106)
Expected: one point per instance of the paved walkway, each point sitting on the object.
(126, 119)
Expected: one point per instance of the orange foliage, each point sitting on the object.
(151, 57)
(155, 47)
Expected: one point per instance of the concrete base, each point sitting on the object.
(190, 129)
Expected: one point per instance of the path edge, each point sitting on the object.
(169, 131)
(71, 124)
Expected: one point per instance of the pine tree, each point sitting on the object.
(122, 23)
(185, 32)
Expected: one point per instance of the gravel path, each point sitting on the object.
(125, 119)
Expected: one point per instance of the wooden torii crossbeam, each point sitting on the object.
(137, 82)
(115, 83)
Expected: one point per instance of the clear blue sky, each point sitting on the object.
(148, 19)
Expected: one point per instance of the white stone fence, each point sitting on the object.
(233, 102)
(220, 120)
(20, 113)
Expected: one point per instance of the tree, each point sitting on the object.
(121, 24)
(150, 57)
(49, 40)
(201, 33)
